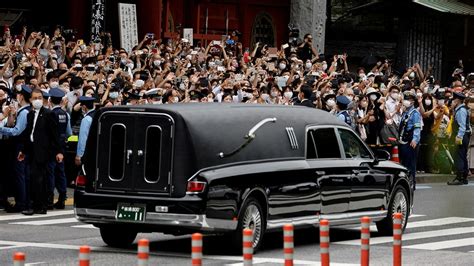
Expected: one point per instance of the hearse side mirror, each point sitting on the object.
(381, 155)
(249, 137)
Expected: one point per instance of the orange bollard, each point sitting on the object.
(394, 156)
(84, 255)
(247, 244)
(397, 239)
(364, 241)
(143, 252)
(324, 242)
(18, 259)
(288, 246)
(196, 249)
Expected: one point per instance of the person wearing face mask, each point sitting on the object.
(376, 119)
(425, 156)
(409, 134)
(41, 143)
(460, 137)
(17, 134)
(57, 176)
(87, 105)
(342, 102)
(329, 102)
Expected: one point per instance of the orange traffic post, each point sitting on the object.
(18, 259)
(143, 252)
(324, 242)
(84, 255)
(394, 156)
(288, 246)
(364, 241)
(397, 239)
(247, 244)
(196, 249)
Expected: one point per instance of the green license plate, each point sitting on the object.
(130, 212)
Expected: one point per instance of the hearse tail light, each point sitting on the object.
(81, 180)
(195, 186)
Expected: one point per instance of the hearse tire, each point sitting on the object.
(398, 203)
(117, 237)
(250, 216)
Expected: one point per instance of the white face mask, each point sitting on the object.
(274, 94)
(308, 65)
(157, 63)
(406, 103)
(395, 96)
(265, 96)
(419, 94)
(175, 99)
(139, 83)
(350, 98)
(113, 95)
(325, 66)
(373, 97)
(18, 87)
(282, 66)
(37, 104)
(441, 102)
(428, 102)
(330, 102)
(288, 94)
(54, 84)
(412, 75)
(211, 64)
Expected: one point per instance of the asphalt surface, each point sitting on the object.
(441, 232)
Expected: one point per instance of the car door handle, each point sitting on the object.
(129, 153)
(320, 173)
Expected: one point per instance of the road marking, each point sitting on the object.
(412, 236)
(48, 222)
(35, 263)
(444, 244)
(10, 247)
(422, 187)
(85, 226)
(373, 228)
(439, 222)
(25, 217)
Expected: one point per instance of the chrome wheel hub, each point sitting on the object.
(253, 220)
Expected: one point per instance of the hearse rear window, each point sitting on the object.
(152, 154)
(322, 143)
(118, 134)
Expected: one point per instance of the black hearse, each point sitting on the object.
(219, 168)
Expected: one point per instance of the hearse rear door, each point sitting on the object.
(114, 150)
(154, 151)
(135, 152)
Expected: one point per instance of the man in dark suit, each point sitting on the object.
(41, 143)
(304, 95)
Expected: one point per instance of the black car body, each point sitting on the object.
(219, 168)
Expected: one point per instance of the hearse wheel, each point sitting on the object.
(117, 236)
(250, 216)
(398, 203)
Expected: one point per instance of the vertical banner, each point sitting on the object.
(188, 34)
(128, 26)
(97, 19)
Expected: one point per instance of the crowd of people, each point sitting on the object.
(76, 78)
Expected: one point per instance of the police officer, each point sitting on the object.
(17, 132)
(57, 173)
(409, 132)
(87, 105)
(461, 135)
(342, 102)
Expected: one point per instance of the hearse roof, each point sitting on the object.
(214, 128)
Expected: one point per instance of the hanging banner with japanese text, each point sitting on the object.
(97, 18)
(128, 26)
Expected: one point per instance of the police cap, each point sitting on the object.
(56, 93)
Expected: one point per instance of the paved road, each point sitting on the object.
(441, 232)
